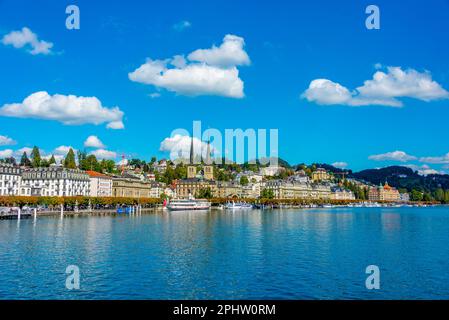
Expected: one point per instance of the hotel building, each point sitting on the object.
(55, 181)
(295, 190)
(10, 180)
(383, 193)
(342, 194)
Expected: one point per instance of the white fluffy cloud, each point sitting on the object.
(204, 72)
(423, 170)
(179, 147)
(323, 91)
(384, 89)
(437, 160)
(392, 156)
(63, 150)
(93, 142)
(104, 154)
(229, 54)
(28, 150)
(58, 157)
(340, 164)
(6, 141)
(7, 153)
(27, 38)
(70, 110)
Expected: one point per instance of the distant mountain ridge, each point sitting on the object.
(399, 177)
(403, 178)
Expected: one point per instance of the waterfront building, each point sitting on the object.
(192, 186)
(229, 189)
(251, 191)
(157, 188)
(383, 193)
(169, 192)
(55, 181)
(338, 193)
(287, 189)
(130, 187)
(320, 174)
(10, 179)
(100, 184)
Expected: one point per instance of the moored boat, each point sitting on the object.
(237, 205)
(188, 204)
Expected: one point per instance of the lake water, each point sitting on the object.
(278, 254)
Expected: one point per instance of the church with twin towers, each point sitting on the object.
(208, 169)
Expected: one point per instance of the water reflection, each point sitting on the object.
(283, 254)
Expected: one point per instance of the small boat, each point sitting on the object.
(237, 205)
(188, 204)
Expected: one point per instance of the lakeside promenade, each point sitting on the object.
(13, 212)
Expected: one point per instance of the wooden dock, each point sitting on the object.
(14, 215)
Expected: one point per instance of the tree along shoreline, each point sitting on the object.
(102, 203)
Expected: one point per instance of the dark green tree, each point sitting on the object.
(439, 195)
(35, 157)
(446, 196)
(244, 180)
(267, 194)
(107, 166)
(10, 160)
(69, 161)
(416, 195)
(24, 161)
(44, 163)
(204, 193)
(52, 160)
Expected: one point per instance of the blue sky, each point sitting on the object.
(288, 43)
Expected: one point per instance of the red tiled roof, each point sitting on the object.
(95, 174)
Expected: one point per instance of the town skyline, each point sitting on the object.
(293, 81)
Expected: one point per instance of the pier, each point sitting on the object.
(15, 214)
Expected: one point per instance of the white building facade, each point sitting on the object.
(342, 194)
(55, 181)
(100, 184)
(10, 180)
(283, 189)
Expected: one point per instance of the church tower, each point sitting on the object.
(191, 168)
(208, 168)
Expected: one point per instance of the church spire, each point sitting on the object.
(191, 151)
(208, 160)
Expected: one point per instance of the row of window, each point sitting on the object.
(10, 170)
(8, 177)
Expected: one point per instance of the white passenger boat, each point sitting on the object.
(188, 204)
(237, 205)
